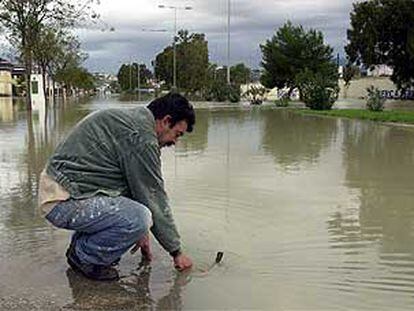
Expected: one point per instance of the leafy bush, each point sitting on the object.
(233, 94)
(375, 102)
(283, 101)
(221, 91)
(216, 92)
(319, 91)
(255, 94)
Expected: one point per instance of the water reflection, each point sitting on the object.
(198, 139)
(294, 140)
(6, 109)
(379, 162)
(132, 292)
(26, 146)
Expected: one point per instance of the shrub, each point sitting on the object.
(375, 102)
(283, 101)
(221, 92)
(319, 91)
(255, 94)
(233, 93)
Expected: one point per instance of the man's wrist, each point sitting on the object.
(176, 253)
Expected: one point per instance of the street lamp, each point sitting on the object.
(139, 82)
(175, 8)
(228, 42)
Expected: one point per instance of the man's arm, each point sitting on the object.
(142, 169)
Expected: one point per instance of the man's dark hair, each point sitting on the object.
(175, 105)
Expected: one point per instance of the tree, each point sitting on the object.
(124, 77)
(192, 62)
(128, 76)
(164, 66)
(68, 57)
(23, 21)
(239, 74)
(290, 51)
(382, 32)
(216, 87)
(76, 77)
(349, 73)
(46, 50)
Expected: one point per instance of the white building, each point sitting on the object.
(380, 71)
(6, 78)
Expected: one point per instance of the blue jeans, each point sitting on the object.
(105, 227)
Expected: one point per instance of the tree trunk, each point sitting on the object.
(28, 68)
(45, 92)
(54, 92)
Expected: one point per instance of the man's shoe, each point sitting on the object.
(96, 272)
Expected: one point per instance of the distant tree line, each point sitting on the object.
(128, 76)
(196, 76)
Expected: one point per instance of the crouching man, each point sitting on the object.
(104, 182)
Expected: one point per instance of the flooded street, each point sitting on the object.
(311, 214)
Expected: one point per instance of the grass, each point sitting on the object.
(380, 116)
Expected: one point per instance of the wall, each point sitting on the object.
(5, 83)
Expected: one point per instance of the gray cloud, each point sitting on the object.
(252, 22)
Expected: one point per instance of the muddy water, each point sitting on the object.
(311, 213)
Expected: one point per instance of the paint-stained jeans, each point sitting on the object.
(105, 227)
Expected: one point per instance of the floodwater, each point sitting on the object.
(311, 214)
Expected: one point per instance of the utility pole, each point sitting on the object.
(139, 84)
(130, 76)
(228, 42)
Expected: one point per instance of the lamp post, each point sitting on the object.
(139, 83)
(228, 42)
(130, 76)
(175, 8)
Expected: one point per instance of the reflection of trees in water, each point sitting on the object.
(198, 139)
(130, 293)
(235, 132)
(379, 163)
(7, 109)
(44, 131)
(293, 139)
(218, 119)
(233, 115)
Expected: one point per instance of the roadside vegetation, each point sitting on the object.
(392, 116)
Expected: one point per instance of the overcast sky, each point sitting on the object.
(252, 22)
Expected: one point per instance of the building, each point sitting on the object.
(380, 71)
(6, 80)
(18, 77)
(11, 79)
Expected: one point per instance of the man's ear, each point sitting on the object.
(166, 120)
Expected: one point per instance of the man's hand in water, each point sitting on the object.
(182, 262)
(145, 246)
